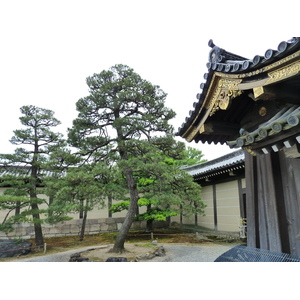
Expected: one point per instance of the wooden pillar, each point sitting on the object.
(263, 230)
(252, 202)
(241, 200)
(215, 207)
(291, 187)
(273, 202)
(267, 203)
(279, 171)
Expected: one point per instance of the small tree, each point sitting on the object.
(38, 142)
(121, 112)
(80, 190)
(167, 191)
(191, 156)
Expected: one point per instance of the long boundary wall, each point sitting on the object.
(73, 227)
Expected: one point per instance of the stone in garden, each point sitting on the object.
(12, 248)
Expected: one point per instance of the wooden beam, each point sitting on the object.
(250, 84)
(264, 93)
(220, 128)
(282, 92)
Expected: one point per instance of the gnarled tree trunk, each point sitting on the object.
(39, 238)
(134, 196)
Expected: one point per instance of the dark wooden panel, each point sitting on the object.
(291, 188)
(273, 202)
(268, 213)
(279, 171)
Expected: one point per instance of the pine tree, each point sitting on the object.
(122, 113)
(38, 143)
(166, 189)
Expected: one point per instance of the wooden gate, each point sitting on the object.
(273, 202)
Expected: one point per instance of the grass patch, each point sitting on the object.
(146, 245)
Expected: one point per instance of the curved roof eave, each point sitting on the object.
(223, 62)
(226, 162)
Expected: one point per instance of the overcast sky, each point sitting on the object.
(48, 48)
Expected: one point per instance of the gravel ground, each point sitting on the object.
(58, 257)
(174, 253)
(193, 253)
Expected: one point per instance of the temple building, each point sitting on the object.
(223, 191)
(254, 105)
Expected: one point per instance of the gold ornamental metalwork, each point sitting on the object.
(262, 111)
(283, 73)
(226, 90)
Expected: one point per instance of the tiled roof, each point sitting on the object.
(20, 171)
(223, 164)
(286, 118)
(222, 61)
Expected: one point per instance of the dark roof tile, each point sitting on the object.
(224, 163)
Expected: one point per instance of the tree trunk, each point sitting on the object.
(50, 213)
(149, 226)
(83, 222)
(18, 208)
(109, 206)
(39, 239)
(121, 237)
(181, 208)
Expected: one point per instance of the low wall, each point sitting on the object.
(73, 227)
